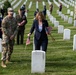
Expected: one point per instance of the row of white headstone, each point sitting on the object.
(52, 19)
(70, 3)
(15, 6)
(13, 2)
(68, 12)
(66, 5)
(71, 13)
(66, 33)
(65, 17)
(56, 23)
(1, 2)
(56, 3)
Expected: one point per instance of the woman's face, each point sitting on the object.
(39, 18)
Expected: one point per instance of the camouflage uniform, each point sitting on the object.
(9, 27)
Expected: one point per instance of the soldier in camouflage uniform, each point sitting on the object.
(9, 28)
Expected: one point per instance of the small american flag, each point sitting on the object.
(28, 41)
(48, 29)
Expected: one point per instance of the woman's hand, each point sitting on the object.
(29, 34)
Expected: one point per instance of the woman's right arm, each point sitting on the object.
(32, 28)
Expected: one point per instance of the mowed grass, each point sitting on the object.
(60, 57)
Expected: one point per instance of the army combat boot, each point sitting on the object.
(8, 60)
(3, 64)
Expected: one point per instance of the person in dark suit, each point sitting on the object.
(51, 8)
(44, 11)
(60, 7)
(2, 12)
(40, 36)
(37, 10)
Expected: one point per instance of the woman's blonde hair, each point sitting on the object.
(40, 14)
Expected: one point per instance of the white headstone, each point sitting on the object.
(67, 6)
(75, 23)
(53, 20)
(36, 4)
(0, 45)
(71, 13)
(38, 62)
(74, 42)
(60, 13)
(30, 5)
(57, 11)
(66, 35)
(65, 18)
(62, 16)
(56, 23)
(60, 29)
(68, 11)
(70, 20)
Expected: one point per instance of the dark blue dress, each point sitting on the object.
(0, 27)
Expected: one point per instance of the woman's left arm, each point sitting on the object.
(46, 23)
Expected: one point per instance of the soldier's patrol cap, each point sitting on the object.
(10, 10)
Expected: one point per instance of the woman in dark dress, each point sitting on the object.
(0, 27)
(40, 36)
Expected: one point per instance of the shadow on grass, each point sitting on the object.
(22, 60)
(60, 66)
(2, 73)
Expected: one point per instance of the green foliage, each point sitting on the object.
(7, 4)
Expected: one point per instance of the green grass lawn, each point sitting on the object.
(60, 57)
